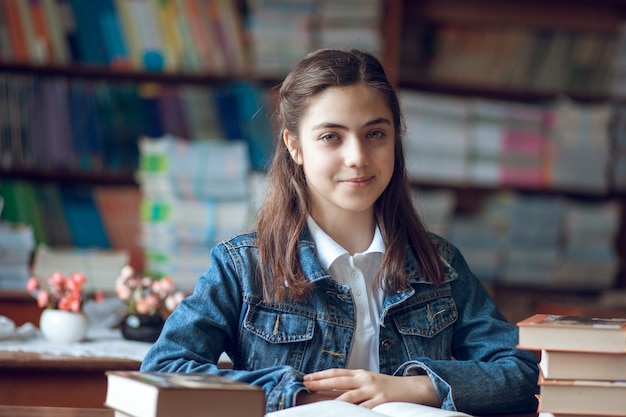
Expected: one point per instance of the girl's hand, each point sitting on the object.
(368, 389)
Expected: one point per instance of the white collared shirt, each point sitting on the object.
(357, 272)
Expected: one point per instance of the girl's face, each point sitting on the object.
(346, 148)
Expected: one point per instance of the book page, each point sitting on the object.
(332, 408)
(328, 408)
(400, 409)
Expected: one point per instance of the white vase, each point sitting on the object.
(62, 326)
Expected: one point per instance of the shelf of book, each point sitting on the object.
(531, 52)
(436, 37)
(161, 96)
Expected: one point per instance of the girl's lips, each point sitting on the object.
(358, 181)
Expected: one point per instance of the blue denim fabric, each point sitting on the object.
(453, 333)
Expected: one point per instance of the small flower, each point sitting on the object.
(43, 297)
(147, 295)
(63, 292)
(32, 285)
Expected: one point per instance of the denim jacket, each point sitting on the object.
(453, 333)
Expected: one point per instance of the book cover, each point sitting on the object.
(15, 32)
(582, 365)
(150, 41)
(190, 59)
(129, 32)
(233, 29)
(582, 396)
(28, 29)
(203, 36)
(573, 333)
(20, 206)
(6, 49)
(156, 394)
(172, 113)
(100, 266)
(89, 40)
(52, 214)
(119, 209)
(167, 21)
(42, 33)
(83, 218)
(52, 16)
(110, 26)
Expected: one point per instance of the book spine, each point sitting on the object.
(58, 44)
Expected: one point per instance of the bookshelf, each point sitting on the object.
(80, 85)
(426, 39)
(405, 25)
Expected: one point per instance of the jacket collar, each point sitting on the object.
(314, 271)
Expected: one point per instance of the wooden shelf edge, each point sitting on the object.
(104, 177)
(80, 70)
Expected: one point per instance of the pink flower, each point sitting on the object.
(172, 301)
(123, 292)
(63, 292)
(147, 305)
(147, 295)
(42, 298)
(32, 285)
(57, 281)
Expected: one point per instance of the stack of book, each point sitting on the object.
(588, 246)
(437, 136)
(17, 242)
(159, 394)
(618, 140)
(195, 193)
(580, 138)
(101, 266)
(583, 363)
(345, 23)
(534, 229)
(509, 143)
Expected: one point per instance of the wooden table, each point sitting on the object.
(56, 381)
(21, 411)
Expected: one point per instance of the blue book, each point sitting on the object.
(111, 30)
(90, 42)
(83, 218)
(254, 119)
(227, 106)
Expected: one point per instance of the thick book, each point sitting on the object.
(557, 364)
(159, 394)
(334, 408)
(565, 396)
(573, 333)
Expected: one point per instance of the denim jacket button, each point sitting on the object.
(387, 344)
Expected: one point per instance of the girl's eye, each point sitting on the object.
(329, 137)
(375, 134)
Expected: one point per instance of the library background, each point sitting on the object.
(137, 131)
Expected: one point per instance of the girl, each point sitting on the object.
(340, 289)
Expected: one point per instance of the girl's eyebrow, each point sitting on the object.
(327, 125)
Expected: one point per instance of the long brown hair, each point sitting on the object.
(283, 217)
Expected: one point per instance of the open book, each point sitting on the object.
(334, 408)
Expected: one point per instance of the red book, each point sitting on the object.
(573, 333)
(16, 31)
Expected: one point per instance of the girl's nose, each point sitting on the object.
(356, 154)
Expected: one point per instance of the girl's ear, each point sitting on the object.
(292, 145)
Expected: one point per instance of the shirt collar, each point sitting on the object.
(328, 250)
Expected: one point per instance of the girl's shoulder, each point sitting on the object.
(445, 249)
(242, 239)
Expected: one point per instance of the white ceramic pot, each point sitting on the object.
(63, 326)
